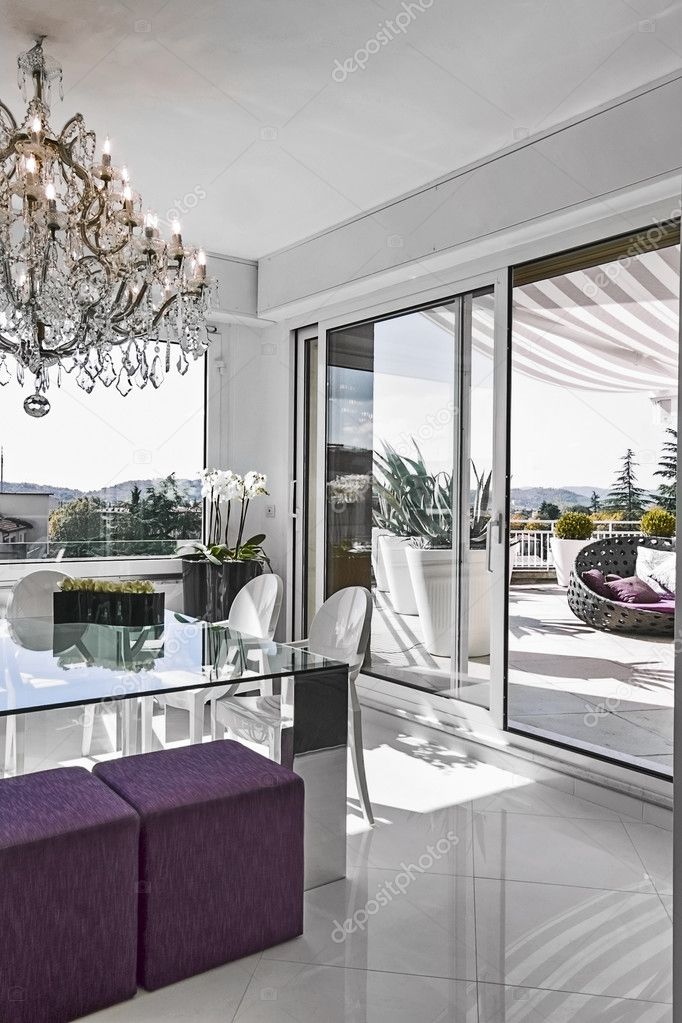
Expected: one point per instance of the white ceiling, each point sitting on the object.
(229, 108)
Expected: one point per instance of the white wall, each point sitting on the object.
(590, 162)
(249, 422)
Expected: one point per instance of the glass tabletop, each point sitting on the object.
(44, 665)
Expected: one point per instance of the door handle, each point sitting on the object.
(492, 524)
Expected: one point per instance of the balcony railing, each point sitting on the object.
(532, 550)
(50, 550)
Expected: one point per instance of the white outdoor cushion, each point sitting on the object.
(657, 568)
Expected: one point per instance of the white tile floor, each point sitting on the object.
(479, 897)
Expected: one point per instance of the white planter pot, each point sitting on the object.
(392, 552)
(564, 553)
(433, 582)
(378, 560)
(432, 578)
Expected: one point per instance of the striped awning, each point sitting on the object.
(612, 327)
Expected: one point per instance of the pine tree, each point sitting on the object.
(666, 495)
(625, 495)
(595, 503)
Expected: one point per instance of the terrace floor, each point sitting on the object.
(599, 691)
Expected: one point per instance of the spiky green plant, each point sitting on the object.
(411, 501)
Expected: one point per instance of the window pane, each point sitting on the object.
(103, 475)
(594, 411)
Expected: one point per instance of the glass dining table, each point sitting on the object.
(46, 666)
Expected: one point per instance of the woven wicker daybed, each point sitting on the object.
(617, 555)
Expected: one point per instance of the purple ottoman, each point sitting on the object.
(221, 855)
(68, 896)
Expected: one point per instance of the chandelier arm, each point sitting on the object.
(7, 345)
(132, 306)
(161, 312)
(6, 110)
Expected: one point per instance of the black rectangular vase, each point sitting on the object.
(92, 607)
(208, 590)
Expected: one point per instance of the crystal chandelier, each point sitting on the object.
(87, 284)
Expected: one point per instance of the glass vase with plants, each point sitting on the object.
(228, 496)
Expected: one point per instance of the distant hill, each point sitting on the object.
(532, 497)
(115, 494)
(522, 497)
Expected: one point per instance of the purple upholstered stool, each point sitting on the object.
(68, 896)
(221, 855)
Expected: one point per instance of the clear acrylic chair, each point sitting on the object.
(254, 612)
(340, 631)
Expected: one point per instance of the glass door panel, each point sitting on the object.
(409, 492)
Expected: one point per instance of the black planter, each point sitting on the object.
(208, 590)
(91, 607)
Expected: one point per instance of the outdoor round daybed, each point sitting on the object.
(617, 555)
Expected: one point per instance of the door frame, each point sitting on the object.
(487, 720)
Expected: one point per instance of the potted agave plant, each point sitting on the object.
(402, 485)
(215, 571)
(431, 561)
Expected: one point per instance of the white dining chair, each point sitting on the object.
(31, 597)
(340, 631)
(254, 612)
(30, 614)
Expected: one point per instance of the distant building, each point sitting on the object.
(24, 525)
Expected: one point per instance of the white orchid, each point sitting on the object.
(228, 485)
(254, 484)
(220, 487)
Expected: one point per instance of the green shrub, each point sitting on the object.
(658, 522)
(574, 526)
(536, 526)
(107, 586)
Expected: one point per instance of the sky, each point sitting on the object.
(560, 437)
(88, 441)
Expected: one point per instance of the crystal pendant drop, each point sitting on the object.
(94, 363)
(85, 381)
(156, 373)
(131, 359)
(183, 364)
(123, 385)
(168, 356)
(5, 375)
(20, 374)
(36, 405)
(142, 374)
(107, 374)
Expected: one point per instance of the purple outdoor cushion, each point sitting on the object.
(68, 897)
(666, 605)
(632, 590)
(595, 580)
(221, 855)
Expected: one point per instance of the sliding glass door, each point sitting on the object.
(413, 500)
(594, 376)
